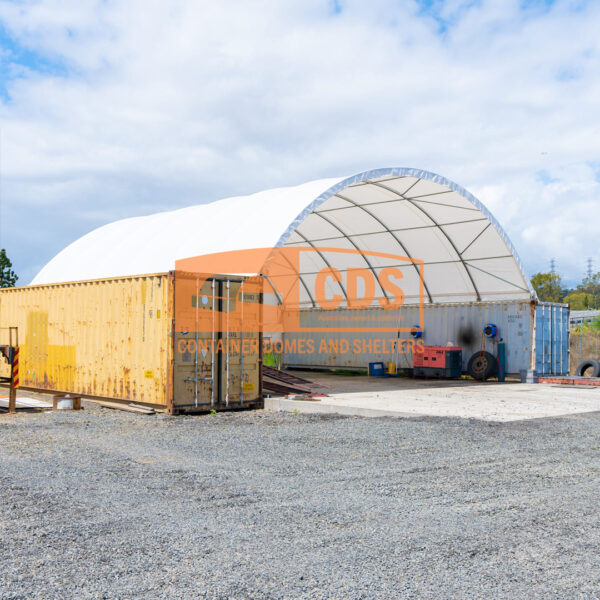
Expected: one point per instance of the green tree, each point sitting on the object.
(579, 300)
(548, 287)
(8, 277)
(591, 286)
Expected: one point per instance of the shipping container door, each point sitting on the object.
(195, 328)
(552, 339)
(240, 348)
(561, 333)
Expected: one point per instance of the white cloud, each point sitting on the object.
(156, 105)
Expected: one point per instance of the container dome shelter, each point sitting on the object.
(471, 273)
(407, 212)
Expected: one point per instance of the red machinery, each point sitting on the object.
(438, 361)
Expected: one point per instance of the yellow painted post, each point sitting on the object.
(12, 393)
(14, 381)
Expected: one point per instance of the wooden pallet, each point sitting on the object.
(134, 408)
(570, 380)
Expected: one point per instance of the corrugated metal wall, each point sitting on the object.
(552, 339)
(109, 338)
(443, 324)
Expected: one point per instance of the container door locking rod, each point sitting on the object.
(242, 347)
(212, 344)
(196, 361)
(227, 355)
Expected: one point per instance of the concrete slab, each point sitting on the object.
(25, 402)
(403, 397)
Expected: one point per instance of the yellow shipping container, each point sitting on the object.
(139, 339)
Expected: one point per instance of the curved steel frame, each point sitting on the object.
(378, 174)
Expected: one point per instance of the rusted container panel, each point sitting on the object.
(109, 338)
(182, 341)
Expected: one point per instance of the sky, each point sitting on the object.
(111, 109)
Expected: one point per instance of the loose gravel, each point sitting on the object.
(106, 504)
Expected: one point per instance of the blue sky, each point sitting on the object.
(115, 109)
(18, 60)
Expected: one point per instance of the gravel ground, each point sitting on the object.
(106, 504)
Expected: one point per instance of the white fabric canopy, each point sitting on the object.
(398, 211)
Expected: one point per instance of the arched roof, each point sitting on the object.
(400, 211)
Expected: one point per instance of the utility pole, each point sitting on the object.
(589, 273)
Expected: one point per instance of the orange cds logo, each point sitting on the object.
(270, 290)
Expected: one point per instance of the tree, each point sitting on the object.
(8, 277)
(579, 300)
(591, 286)
(548, 287)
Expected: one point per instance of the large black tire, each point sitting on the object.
(583, 366)
(482, 366)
